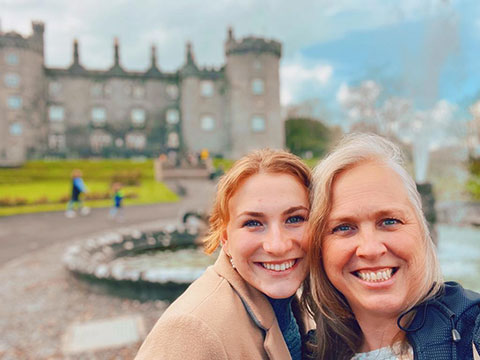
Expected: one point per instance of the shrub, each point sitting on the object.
(127, 177)
(131, 195)
(97, 195)
(41, 200)
(20, 201)
(6, 201)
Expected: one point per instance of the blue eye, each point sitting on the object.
(342, 228)
(295, 219)
(252, 223)
(390, 222)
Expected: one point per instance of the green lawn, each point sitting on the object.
(46, 185)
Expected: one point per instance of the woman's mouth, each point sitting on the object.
(279, 266)
(377, 275)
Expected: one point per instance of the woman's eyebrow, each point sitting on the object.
(295, 208)
(251, 213)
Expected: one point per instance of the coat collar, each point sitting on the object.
(257, 306)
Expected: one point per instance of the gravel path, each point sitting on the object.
(40, 299)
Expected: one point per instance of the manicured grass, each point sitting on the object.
(46, 185)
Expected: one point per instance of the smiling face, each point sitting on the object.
(372, 247)
(265, 233)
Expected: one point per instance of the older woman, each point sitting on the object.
(244, 306)
(375, 286)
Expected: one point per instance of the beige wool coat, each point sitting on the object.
(219, 316)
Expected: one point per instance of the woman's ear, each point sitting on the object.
(224, 241)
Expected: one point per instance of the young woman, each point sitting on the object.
(244, 306)
(375, 287)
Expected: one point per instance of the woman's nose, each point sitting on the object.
(277, 241)
(370, 244)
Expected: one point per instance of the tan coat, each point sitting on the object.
(219, 316)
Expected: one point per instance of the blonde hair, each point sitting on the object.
(259, 161)
(338, 332)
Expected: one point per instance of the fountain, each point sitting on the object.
(149, 264)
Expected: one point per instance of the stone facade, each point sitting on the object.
(76, 111)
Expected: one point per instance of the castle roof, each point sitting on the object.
(108, 74)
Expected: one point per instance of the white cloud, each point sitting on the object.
(204, 22)
(295, 76)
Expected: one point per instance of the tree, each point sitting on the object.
(304, 134)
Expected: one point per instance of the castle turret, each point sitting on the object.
(22, 96)
(37, 38)
(252, 70)
(116, 68)
(76, 67)
(153, 70)
(190, 67)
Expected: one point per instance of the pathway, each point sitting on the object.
(48, 314)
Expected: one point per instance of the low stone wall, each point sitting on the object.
(92, 260)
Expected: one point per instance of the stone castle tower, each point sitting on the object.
(76, 111)
(22, 95)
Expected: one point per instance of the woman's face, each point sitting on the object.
(372, 248)
(265, 233)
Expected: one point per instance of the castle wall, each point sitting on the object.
(204, 114)
(119, 97)
(247, 108)
(75, 111)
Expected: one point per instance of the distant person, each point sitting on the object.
(116, 211)
(76, 200)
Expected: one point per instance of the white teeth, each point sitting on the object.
(375, 276)
(279, 267)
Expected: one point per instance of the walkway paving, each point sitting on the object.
(46, 313)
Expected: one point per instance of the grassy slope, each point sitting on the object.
(50, 181)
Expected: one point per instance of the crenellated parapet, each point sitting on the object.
(32, 42)
(251, 44)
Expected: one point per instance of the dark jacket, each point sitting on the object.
(445, 326)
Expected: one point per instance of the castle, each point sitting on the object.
(76, 111)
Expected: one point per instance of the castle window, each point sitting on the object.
(173, 141)
(56, 141)
(54, 88)
(206, 88)
(12, 80)
(138, 92)
(172, 91)
(16, 129)
(138, 117)
(258, 123)
(99, 116)
(172, 116)
(99, 140)
(258, 86)
(136, 141)
(257, 64)
(14, 102)
(56, 113)
(11, 59)
(207, 123)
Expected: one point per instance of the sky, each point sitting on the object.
(423, 51)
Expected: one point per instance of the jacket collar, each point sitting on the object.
(257, 306)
